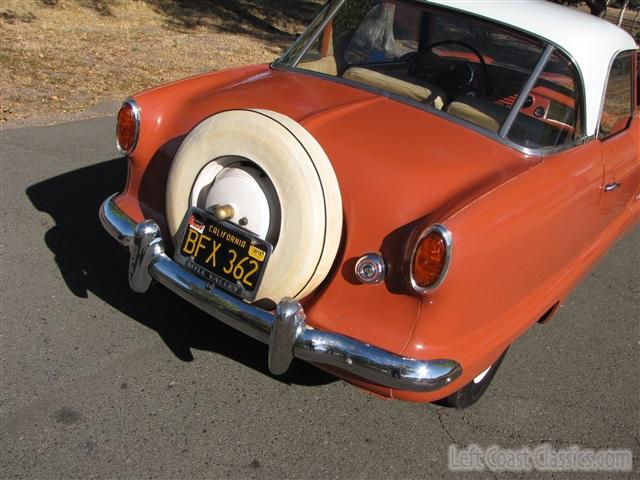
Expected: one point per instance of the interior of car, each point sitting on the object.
(466, 67)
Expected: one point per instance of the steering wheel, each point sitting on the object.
(461, 78)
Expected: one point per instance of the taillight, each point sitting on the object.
(430, 258)
(128, 127)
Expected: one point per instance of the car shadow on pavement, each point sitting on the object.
(91, 261)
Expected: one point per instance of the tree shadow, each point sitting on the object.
(103, 7)
(91, 261)
(272, 20)
(267, 19)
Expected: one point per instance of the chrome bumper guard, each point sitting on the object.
(284, 330)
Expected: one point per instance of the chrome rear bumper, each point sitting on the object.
(283, 330)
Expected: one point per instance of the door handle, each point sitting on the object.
(610, 187)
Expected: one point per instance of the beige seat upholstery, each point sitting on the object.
(485, 114)
(420, 93)
(325, 65)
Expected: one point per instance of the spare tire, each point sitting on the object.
(308, 223)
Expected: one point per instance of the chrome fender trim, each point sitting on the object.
(283, 330)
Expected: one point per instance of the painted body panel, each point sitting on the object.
(347, 122)
(519, 250)
(525, 229)
(620, 155)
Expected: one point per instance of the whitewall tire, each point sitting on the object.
(307, 190)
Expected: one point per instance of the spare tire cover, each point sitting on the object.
(304, 181)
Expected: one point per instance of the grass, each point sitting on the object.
(67, 55)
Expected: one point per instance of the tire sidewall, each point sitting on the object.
(303, 178)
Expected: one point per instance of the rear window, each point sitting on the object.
(470, 69)
(499, 47)
(387, 33)
(551, 114)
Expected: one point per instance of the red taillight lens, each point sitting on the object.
(127, 128)
(429, 260)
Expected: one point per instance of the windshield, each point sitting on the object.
(463, 66)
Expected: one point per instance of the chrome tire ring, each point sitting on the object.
(243, 186)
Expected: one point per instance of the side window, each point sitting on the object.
(616, 111)
(551, 114)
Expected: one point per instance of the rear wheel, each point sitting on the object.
(472, 391)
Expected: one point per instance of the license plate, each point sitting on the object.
(226, 255)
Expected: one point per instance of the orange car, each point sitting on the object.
(410, 187)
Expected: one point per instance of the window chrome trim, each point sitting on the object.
(439, 113)
(314, 37)
(526, 90)
(530, 151)
(135, 108)
(448, 241)
(582, 107)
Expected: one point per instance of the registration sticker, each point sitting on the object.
(196, 224)
(257, 253)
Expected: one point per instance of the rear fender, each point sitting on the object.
(517, 250)
(168, 113)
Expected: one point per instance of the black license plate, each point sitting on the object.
(228, 256)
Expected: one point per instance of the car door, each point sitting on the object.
(619, 137)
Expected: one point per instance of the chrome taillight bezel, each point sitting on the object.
(448, 241)
(135, 109)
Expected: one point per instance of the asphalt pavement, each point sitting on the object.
(100, 382)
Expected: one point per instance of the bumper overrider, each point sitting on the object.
(283, 330)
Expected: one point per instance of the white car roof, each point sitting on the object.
(589, 40)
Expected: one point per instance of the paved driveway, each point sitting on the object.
(100, 382)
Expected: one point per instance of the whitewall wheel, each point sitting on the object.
(245, 158)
